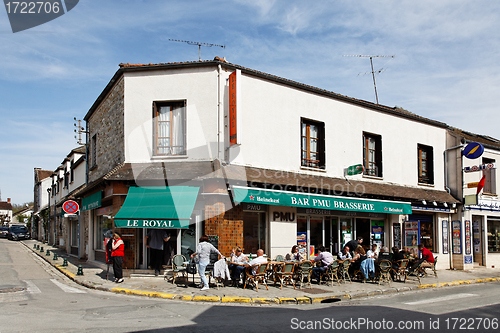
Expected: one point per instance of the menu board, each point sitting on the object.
(411, 235)
(396, 228)
(456, 230)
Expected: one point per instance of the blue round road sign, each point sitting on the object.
(70, 207)
(473, 150)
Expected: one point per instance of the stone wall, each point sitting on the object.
(107, 123)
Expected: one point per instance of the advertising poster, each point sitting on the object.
(446, 240)
(456, 237)
(302, 239)
(476, 238)
(411, 235)
(468, 238)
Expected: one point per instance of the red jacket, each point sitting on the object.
(118, 249)
(426, 252)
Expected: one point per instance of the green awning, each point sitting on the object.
(92, 201)
(294, 199)
(157, 207)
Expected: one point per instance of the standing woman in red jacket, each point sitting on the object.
(118, 253)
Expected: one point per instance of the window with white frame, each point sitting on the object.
(312, 144)
(489, 177)
(169, 128)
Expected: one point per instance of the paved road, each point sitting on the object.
(36, 298)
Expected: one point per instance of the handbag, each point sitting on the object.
(191, 267)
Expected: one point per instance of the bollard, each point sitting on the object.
(65, 262)
(80, 270)
(34, 246)
(37, 247)
(41, 249)
(47, 253)
(55, 256)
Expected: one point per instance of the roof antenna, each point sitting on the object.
(200, 44)
(371, 62)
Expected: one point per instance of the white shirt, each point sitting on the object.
(371, 254)
(344, 256)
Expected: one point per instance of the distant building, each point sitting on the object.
(5, 212)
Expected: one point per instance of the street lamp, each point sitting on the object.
(48, 222)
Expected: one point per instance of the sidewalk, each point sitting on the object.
(149, 285)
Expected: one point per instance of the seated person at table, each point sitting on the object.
(396, 255)
(427, 258)
(257, 261)
(384, 255)
(324, 258)
(359, 256)
(294, 254)
(345, 253)
(372, 253)
(239, 258)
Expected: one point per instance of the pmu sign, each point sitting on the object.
(473, 150)
(70, 207)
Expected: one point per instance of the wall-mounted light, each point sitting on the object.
(445, 204)
(434, 203)
(454, 205)
(424, 202)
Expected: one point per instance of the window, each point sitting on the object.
(313, 144)
(254, 232)
(170, 128)
(72, 172)
(489, 177)
(66, 177)
(493, 235)
(425, 164)
(93, 158)
(103, 225)
(372, 154)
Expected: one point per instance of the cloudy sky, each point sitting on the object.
(446, 65)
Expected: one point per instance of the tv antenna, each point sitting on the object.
(79, 129)
(200, 44)
(373, 72)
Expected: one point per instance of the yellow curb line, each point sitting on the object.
(265, 300)
(303, 300)
(236, 300)
(146, 293)
(206, 299)
(457, 283)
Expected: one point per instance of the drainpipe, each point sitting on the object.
(450, 249)
(218, 110)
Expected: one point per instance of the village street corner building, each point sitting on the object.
(256, 161)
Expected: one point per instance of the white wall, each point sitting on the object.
(283, 234)
(270, 116)
(197, 86)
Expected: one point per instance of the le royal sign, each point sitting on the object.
(481, 167)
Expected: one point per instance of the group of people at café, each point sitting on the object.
(353, 251)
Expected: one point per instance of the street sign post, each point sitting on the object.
(71, 207)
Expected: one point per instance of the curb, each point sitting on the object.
(259, 300)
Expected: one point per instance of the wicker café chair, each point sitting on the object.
(332, 274)
(259, 276)
(177, 267)
(401, 269)
(344, 270)
(384, 271)
(286, 274)
(304, 274)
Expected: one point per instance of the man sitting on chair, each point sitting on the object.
(427, 258)
(257, 261)
(326, 259)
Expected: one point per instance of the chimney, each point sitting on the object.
(8, 200)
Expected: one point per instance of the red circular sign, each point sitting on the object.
(70, 207)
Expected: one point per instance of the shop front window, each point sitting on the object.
(188, 240)
(103, 224)
(254, 232)
(493, 236)
(316, 234)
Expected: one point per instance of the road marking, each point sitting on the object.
(67, 289)
(441, 299)
(32, 288)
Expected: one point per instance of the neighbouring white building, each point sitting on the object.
(257, 161)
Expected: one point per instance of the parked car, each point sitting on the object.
(3, 232)
(18, 232)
